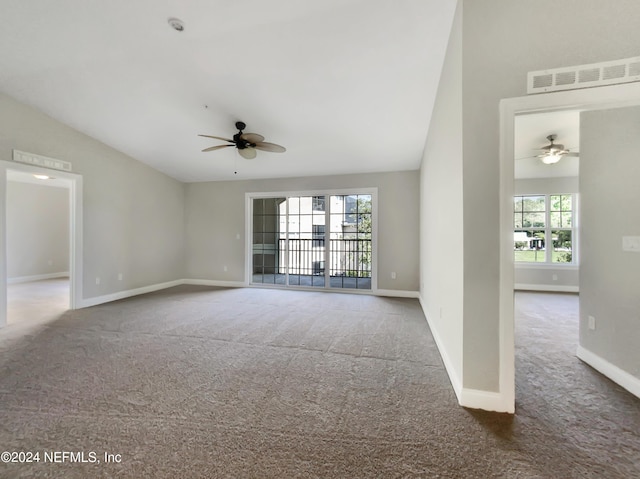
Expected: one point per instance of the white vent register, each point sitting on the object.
(584, 76)
(39, 160)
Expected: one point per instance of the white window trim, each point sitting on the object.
(575, 256)
(373, 191)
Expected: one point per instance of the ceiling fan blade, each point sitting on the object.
(212, 148)
(217, 138)
(266, 146)
(248, 153)
(528, 157)
(252, 137)
(572, 153)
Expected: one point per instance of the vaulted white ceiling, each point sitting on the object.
(346, 86)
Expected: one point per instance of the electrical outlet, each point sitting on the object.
(225, 269)
(237, 236)
(555, 277)
(97, 280)
(119, 276)
(592, 323)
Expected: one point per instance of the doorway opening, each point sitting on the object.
(582, 99)
(38, 246)
(50, 260)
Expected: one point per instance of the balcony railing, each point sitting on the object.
(346, 257)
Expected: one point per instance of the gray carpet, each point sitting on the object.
(197, 382)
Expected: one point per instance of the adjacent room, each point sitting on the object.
(330, 239)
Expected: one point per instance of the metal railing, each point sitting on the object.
(346, 257)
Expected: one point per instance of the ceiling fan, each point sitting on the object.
(246, 143)
(553, 152)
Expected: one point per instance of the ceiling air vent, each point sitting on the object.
(584, 76)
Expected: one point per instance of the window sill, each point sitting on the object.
(564, 266)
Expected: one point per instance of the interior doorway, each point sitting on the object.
(12, 173)
(38, 246)
(582, 99)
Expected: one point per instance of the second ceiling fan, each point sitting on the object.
(553, 152)
(246, 143)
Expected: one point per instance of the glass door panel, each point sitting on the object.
(350, 241)
(306, 245)
(265, 263)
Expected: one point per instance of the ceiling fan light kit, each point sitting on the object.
(246, 143)
(553, 152)
(550, 159)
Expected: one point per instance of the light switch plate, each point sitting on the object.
(631, 243)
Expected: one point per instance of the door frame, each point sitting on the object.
(598, 98)
(373, 191)
(75, 227)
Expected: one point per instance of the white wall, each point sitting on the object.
(441, 232)
(609, 276)
(133, 215)
(502, 41)
(541, 277)
(215, 215)
(37, 230)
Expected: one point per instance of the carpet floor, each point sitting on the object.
(198, 382)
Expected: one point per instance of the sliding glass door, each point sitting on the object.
(314, 241)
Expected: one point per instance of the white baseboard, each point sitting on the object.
(37, 277)
(486, 400)
(613, 372)
(214, 282)
(87, 302)
(552, 288)
(397, 293)
(454, 377)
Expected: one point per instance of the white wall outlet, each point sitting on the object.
(631, 243)
(393, 275)
(97, 280)
(225, 269)
(555, 277)
(237, 235)
(50, 262)
(592, 323)
(119, 276)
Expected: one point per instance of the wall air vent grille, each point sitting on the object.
(584, 76)
(38, 160)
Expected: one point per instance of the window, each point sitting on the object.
(318, 235)
(318, 203)
(544, 228)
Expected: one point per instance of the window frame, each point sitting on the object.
(548, 229)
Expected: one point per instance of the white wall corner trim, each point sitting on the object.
(88, 302)
(554, 288)
(617, 375)
(37, 277)
(486, 400)
(456, 381)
